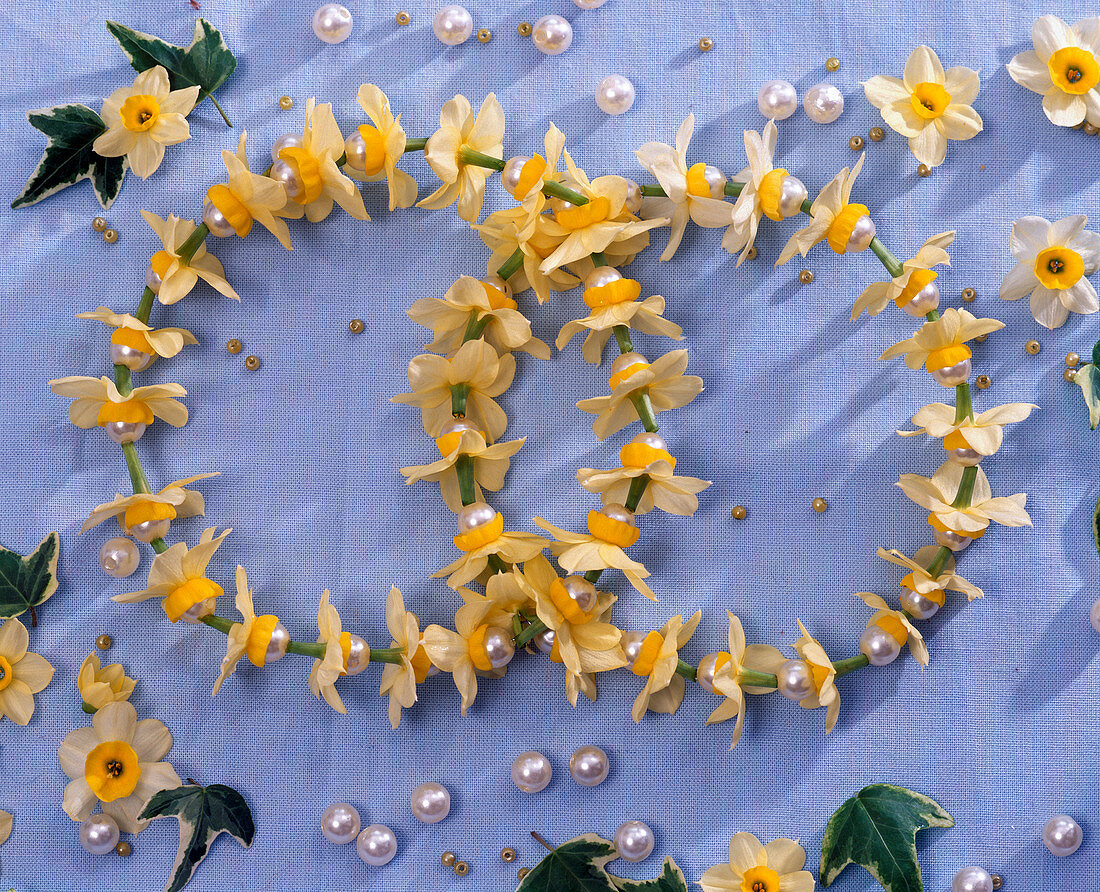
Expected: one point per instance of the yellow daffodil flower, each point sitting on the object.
(656, 662)
(129, 331)
(144, 118)
(616, 303)
(490, 465)
(174, 279)
(116, 762)
(479, 544)
(100, 685)
(463, 651)
(727, 669)
(178, 575)
(603, 547)
(173, 501)
(459, 129)
(22, 673)
(469, 301)
(663, 380)
(326, 671)
(928, 105)
(919, 580)
(823, 676)
(1064, 68)
(983, 433)
(896, 623)
(672, 494)
(507, 593)
(97, 402)
(695, 192)
(251, 637)
(1052, 261)
(476, 365)
(248, 197)
(503, 233)
(399, 681)
(917, 274)
(942, 343)
(753, 867)
(531, 175)
(846, 226)
(937, 493)
(5, 826)
(381, 144)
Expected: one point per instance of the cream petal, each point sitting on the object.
(145, 157)
(170, 129)
(116, 721)
(1080, 298)
(785, 856)
(34, 671)
(1064, 109)
(1047, 309)
(802, 881)
(745, 852)
(79, 800)
(962, 84)
(14, 639)
(114, 143)
(961, 122)
(1030, 72)
(1029, 237)
(1020, 281)
(882, 91)
(929, 146)
(151, 740)
(1049, 34)
(17, 702)
(923, 66)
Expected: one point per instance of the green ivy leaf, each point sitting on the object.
(206, 63)
(203, 813)
(877, 829)
(578, 866)
(1096, 525)
(71, 129)
(670, 880)
(1088, 379)
(26, 582)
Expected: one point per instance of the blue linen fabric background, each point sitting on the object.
(1002, 729)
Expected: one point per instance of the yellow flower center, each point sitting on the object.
(530, 176)
(770, 191)
(6, 675)
(918, 280)
(112, 770)
(421, 664)
(893, 627)
(476, 647)
(945, 357)
(345, 650)
(760, 879)
(619, 291)
(938, 595)
(498, 300)
(375, 158)
(955, 440)
(144, 511)
(139, 113)
(938, 524)
(1059, 268)
(929, 100)
(132, 338)
(160, 263)
(305, 165)
(130, 410)
(567, 606)
(259, 637)
(482, 535)
(1074, 70)
(840, 230)
(697, 183)
(448, 443)
(233, 209)
(621, 375)
(642, 455)
(647, 654)
(581, 217)
(612, 531)
(194, 591)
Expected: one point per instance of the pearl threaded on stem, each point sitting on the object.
(332, 23)
(194, 614)
(1062, 836)
(632, 645)
(123, 432)
(1094, 615)
(582, 591)
(276, 647)
(358, 655)
(99, 834)
(499, 284)
(633, 197)
(589, 766)
(430, 802)
(708, 666)
(286, 141)
(879, 646)
(287, 177)
(954, 541)
(475, 515)
(215, 220)
(615, 94)
(340, 823)
(619, 512)
(795, 680)
(499, 647)
(972, 879)
(777, 100)
(953, 375)
(589, 4)
(531, 772)
(965, 457)
(135, 360)
(792, 192)
(544, 641)
(924, 301)
(917, 605)
(552, 35)
(823, 103)
(453, 25)
(355, 151)
(119, 557)
(634, 841)
(862, 235)
(376, 845)
(513, 168)
(148, 530)
(600, 276)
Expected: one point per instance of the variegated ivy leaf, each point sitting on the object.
(1088, 379)
(578, 866)
(26, 582)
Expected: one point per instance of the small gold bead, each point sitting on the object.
(982, 382)
(233, 345)
(1072, 359)
(484, 35)
(447, 859)
(805, 277)
(855, 143)
(998, 880)
(123, 849)
(820, 505)
(1070, 375)
(750, 254)
(832, 64)
(99, 224)
(1033, 347)
(103, 642)
(403, 18)
(521, 874)
(706, 44)
(738, 512)
(356, 326)
(923, 170)
(969, 295)
(508, 854)
(461, 868)
(982, 338)
(110, 236)
(877, 134)
(252, 363)
(524, 29)
(286, 103)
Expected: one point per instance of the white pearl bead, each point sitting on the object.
(626, 360)
(795, 680)
(965, 457)
(618, 512)
(134, 360)
(474, 516)
(453, 25)
(124, 431)
(431, 802)
(615, 95)
(355, 150)
(286, 141)
(552, 35)
(376, 845)
(276, 647)
(924, 301)
(1094, 614)
(652, 439)
(499, 284)
(340, 823)
(544, 641)
(862, 235)
(634, 841)
(777, 100)
(582, 591)
(633, 197)
(358, 656)
(499, 647)
(457, 425)
(972, 879)
(632, 645)
(99, 834)
(589, 766)
(196, 612)
(704, 673)
(119, 557)
(589, 4)
(823, 103)
(509, 177)
(879, 646)
(791, 195)
(917, 605)
(600, 276)
(332, 23)
(287, 177)
(148, 530)
(531, 772)
(952, 540)
(715, 180)
(953, 375)
(152, 280)
(1062, 836)
(215, 220)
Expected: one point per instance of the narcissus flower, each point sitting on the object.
(896, 623)
(505, 232)
(938, 494)
(1064, 68)
(374, 149)
(846, 226)
(481, 543)
(144, 118)
(922, 582)
(983, 433)
(727, 670)
(100, 685)
(252, 637)
(490, 464)
(477, 367)
(248, 197)
(97, 402)
(611, 531)
(178, 575)
(776, 867)
(822, 675)
(399, 680)
(917, 278)
(664, 490)
(656, 661)
(695, 192)
(942, 344)
(459, 129)
(333, 665)
(22, 673)
(927, 104)
(173, 501)
(129, 331)
(1052, 261)
(173, 278)
(463, 651)
(524, 178)
(116, 762)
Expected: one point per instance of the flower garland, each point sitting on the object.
(564, 230)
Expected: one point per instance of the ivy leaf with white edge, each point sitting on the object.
(206, 63)
(71, 129)
(26, 582)
(670, 880)
(578, 866)
(1088, 379)
(877, 829)
(203, 813)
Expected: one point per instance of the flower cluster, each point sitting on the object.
(1064, 68)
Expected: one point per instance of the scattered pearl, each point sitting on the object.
(356, 326)
(879, 646)
(252, 363)
(376, 845)
(589, 766)
(969, 295)
(286, 103)
(447, 859)
(430, 802)
(634, 841)
(461, 868)
(104, 642)
(877, 134)
(507, 854)
(738, 512)
(855, 143)
(523, 29)
(332, 23)
(823, 103)
(832, 64)
(484, 35)
(453, 25)
(820, 505)
(340, 823)
(1072, 359)
(706, 44)
(531, 772)
(1094, 615)
(795, 681)
(805, 277)
(777, 100)
(552, 35)
(119, 557)
(99, 224)
(982, 382)
(1069, 375)
(123, 849)
(1033, 347)
(972, 879)
(99, 834)
(402, 18)
(110, 236)
(1062, 835)
(615, 95)
(923, 170)
(233, 345)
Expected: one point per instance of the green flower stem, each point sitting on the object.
(593, 576)
(459, 392)
(415, 144)
(221, 111)
(123, 382)
(550, 189)
(932, 315)
(637, 490)
(622, 338)
(536, 628)
(478, 159)
(653, 192)
(963, 407)
(475, 327)
(753, 679)
(734, 189)
(644, 408)
(599, 258)
(966, 487)
(939, 561)
(464, 467)
(843, 667)
(685, 669)
(512, 265)
(222, 623)
(145, 307)
(317, 651)
(194, 240)
(557, 190)
(88, 708)
(498, 565)
(159, 545)
(517, 626)
(893, 265)
(395, 655)
(137, 473)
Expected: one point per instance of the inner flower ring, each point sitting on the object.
(139, 113)
(1074, 70)
(112, 770)
(1059, 268)
(5, 673)
(760, 879)
(929, 100)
